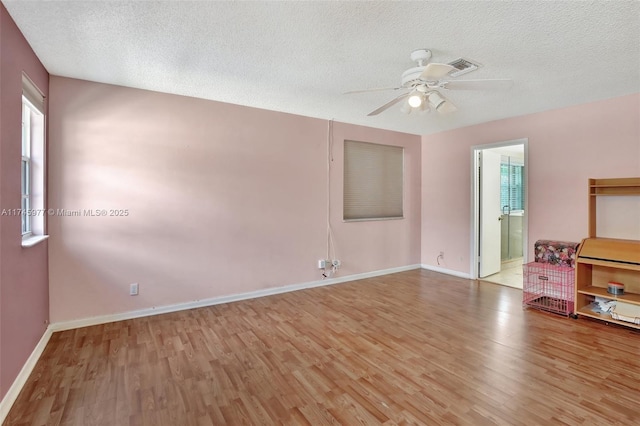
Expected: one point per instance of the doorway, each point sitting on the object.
(499, 231)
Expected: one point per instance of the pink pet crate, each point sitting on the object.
(548, 287)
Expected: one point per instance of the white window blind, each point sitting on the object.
(511, 186)
(25, 168)
(373, 180)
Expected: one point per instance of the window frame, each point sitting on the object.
(25, 168)
(32, 164)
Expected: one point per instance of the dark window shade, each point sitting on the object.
(373, 181)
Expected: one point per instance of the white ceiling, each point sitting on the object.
(299, 57)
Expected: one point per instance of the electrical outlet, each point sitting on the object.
(336, 263)
(133, 289)
(322, 264)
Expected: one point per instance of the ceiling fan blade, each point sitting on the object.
(378, 89)
(388, 104)
(478, 84)
(435, 71)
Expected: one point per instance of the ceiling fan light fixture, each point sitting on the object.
(424, 108)
(415, 100)
(406, 108)
(422, 84)
(447, 107)
(435, 100)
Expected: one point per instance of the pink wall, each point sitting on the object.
(2, 14)
(566, 147)
(24, 293)
(222, 199)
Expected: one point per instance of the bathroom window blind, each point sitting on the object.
(373, 181)
(512, 186)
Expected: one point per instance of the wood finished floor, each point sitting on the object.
(411, 348)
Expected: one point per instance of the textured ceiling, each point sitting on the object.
(299, 57)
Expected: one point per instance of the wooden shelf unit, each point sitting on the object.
(586, 312)
(600, 260)
(604, 187)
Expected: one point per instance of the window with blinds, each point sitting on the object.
(512, 186)
(373, 181)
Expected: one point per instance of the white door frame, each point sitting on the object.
(475, 201)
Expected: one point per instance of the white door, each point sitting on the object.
(490, 214)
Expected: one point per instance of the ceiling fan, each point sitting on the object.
(423, 83)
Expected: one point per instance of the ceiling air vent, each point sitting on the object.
(462, 66)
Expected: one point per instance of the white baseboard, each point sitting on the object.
(446, 271)
(21, 379)
(103, 319)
